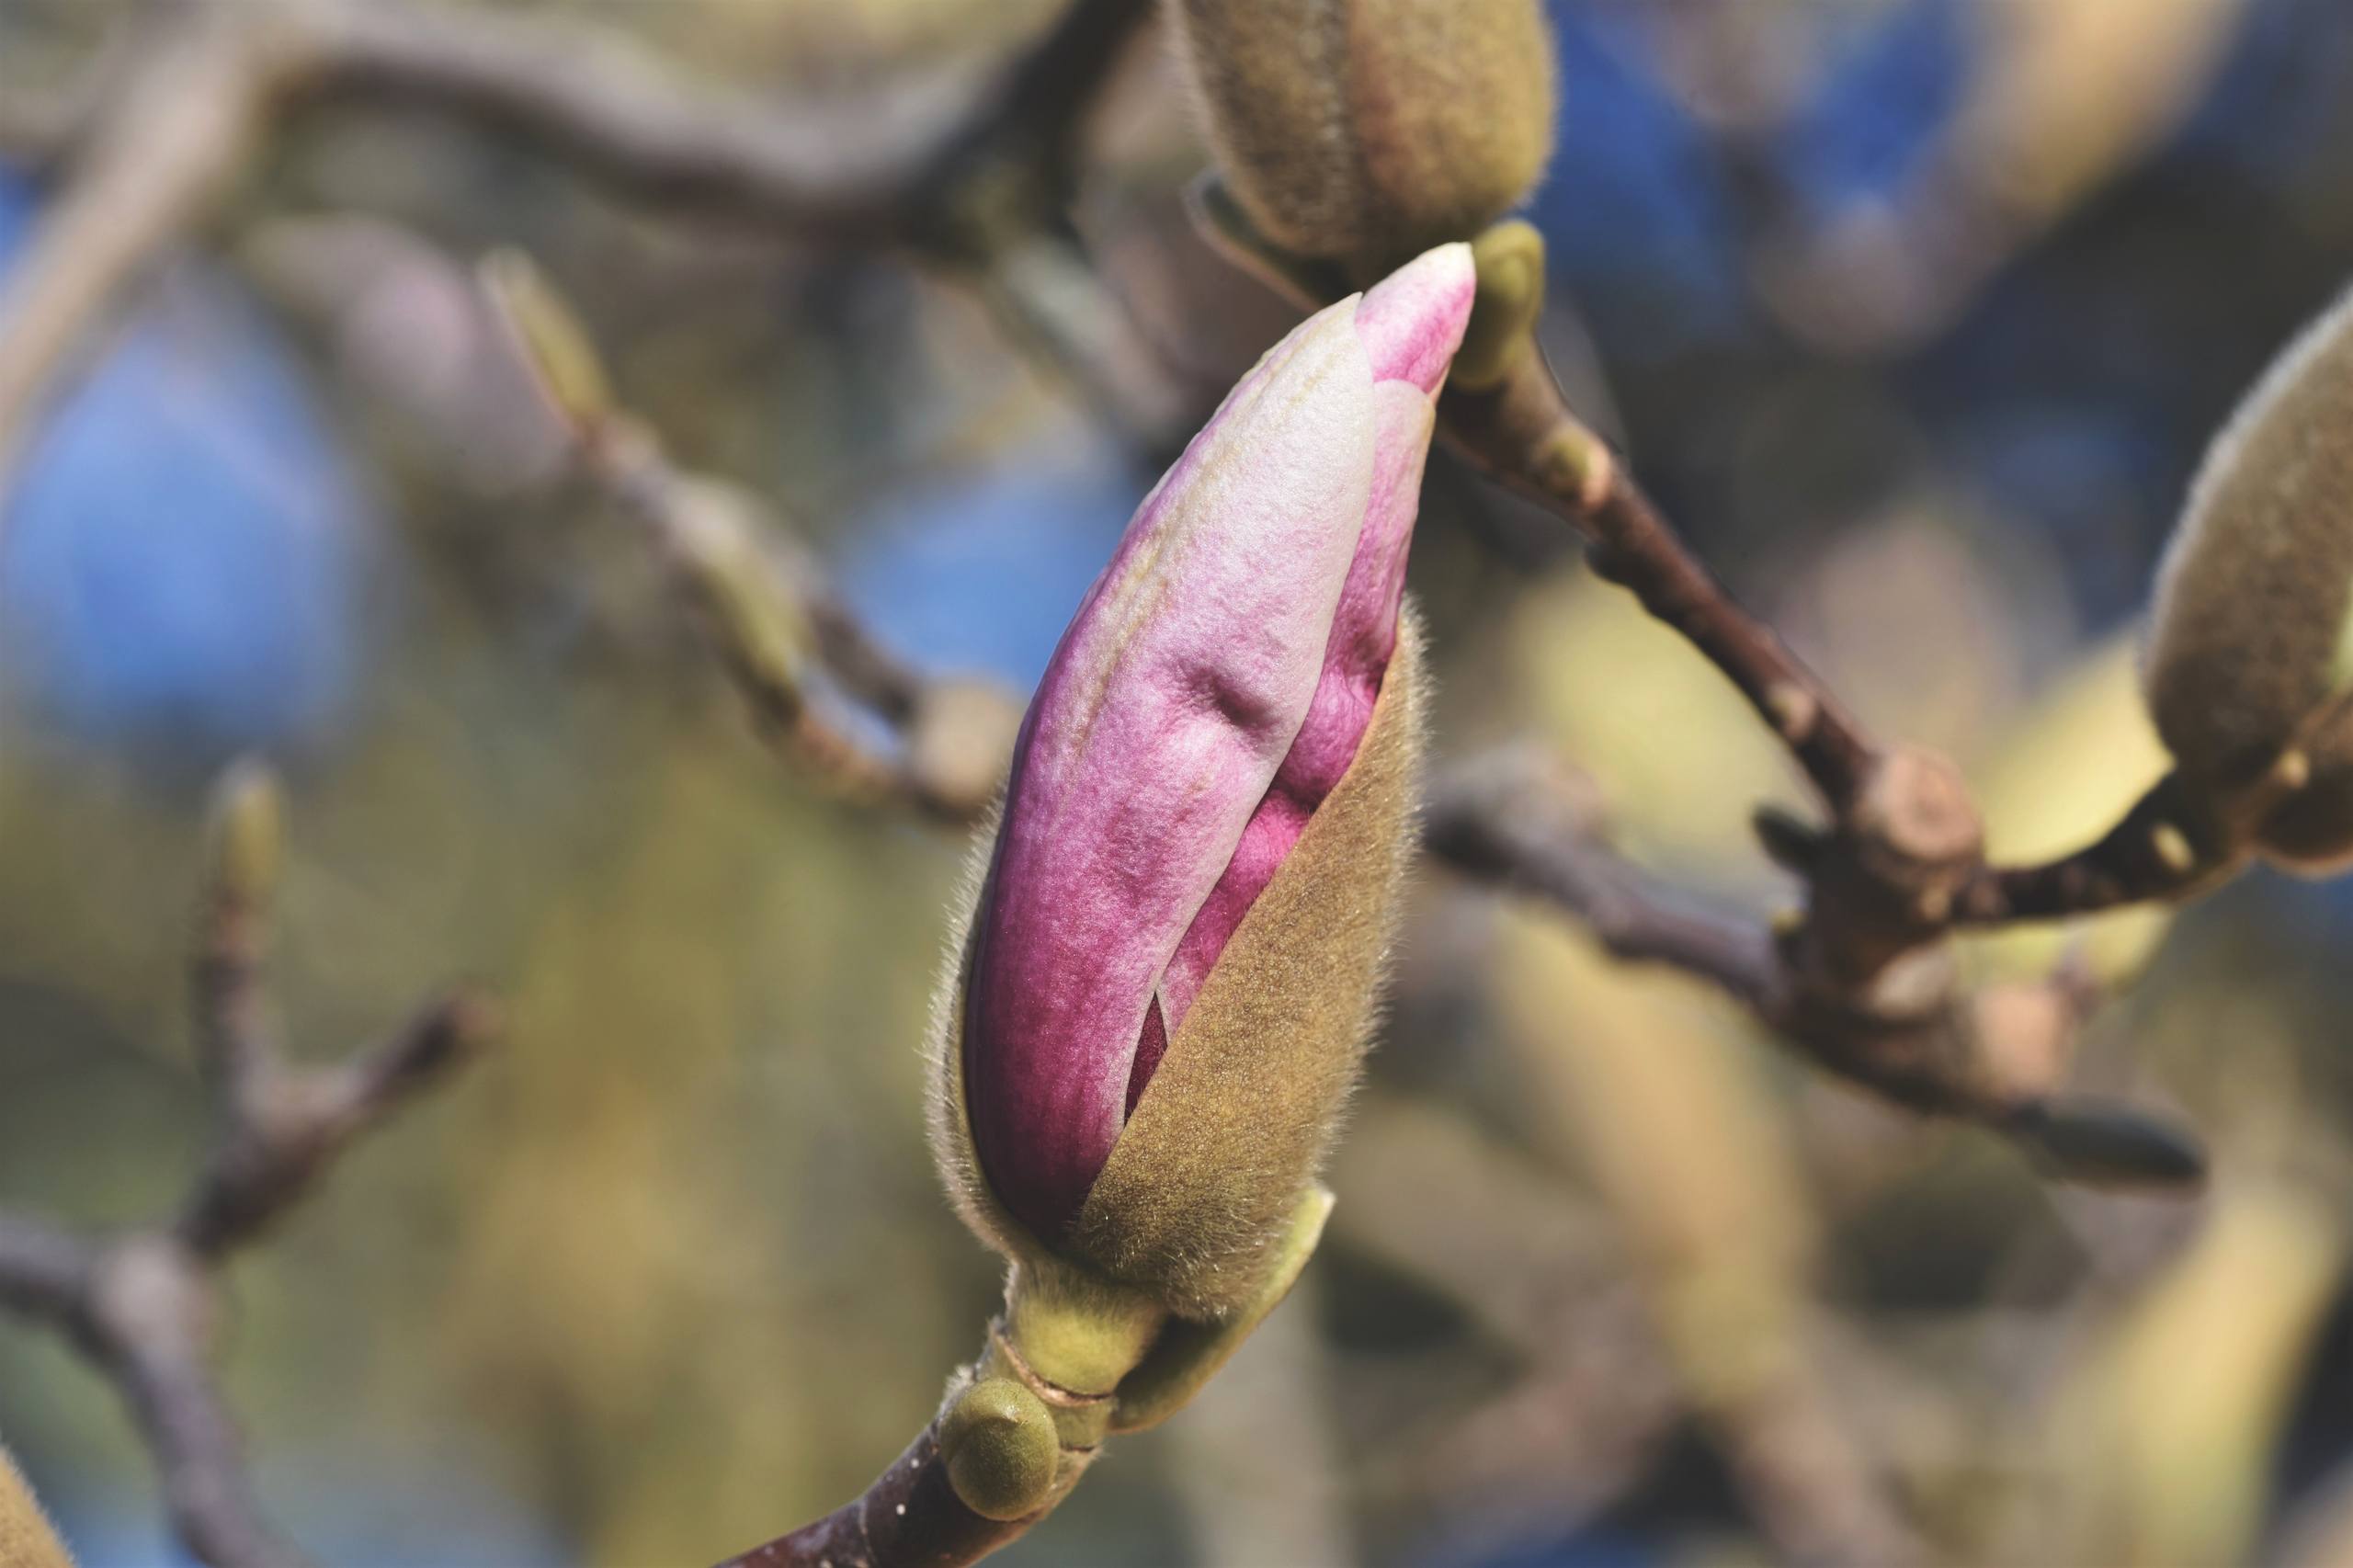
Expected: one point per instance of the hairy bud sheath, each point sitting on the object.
(1172, 961)
(2250, 655)
(27, 1537)
(1365, 130)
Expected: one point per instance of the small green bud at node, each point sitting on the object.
(1368, 130)
(245, 835)
(555, 343)
(2250, 652)
(999, 1440)
(1510, 260)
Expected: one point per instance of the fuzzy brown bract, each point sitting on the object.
(1368, 130)
(27, 1537)
(2247, 655)
(1208, 1171)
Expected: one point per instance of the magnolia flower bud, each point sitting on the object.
(1173, 960)
(2250, 655)
(1364, 130)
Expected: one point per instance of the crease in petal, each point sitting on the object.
(1411, 324)
(1357, 654)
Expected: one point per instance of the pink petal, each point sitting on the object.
(1412, 322)
(1364, 635)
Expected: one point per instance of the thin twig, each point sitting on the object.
(143, 1304)
(1517, 819)
(761, 610)
(770, 610)
(177, 126)
(164, 137)
(1521, 432)
(1904, 1031)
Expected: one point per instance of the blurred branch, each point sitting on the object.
(1051, 303)
(166, 134)
(144, 1304)
(1521, 432)
(2145, 856)
(1519, 820)
(773, 618)
(1901, 1029)
(162, 139)
(1538, 1269)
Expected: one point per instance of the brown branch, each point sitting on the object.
(1521, 432)
(1517, 819)
(911, 1518)
(293, 1123)
(2162, 849)
(1902, 1031)
(143, 1304)
(771, 613)
(166, 136)
(761, 612)
(171, 131)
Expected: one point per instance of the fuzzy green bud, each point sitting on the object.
(998, 1440)
(244, 837)
(1368, 130)
(1510, 261)
(2250, 654)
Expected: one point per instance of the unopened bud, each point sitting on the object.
(1368, 130)
(243, 838)
(1176, 952)
(998, 1440)
(2250, 655)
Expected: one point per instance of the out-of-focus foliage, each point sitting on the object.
(670, 1271)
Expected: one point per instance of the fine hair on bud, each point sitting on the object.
(27, 1537)
(2250, 654)
(1367, 130)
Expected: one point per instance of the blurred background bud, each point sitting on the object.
(2250, 642)
(1365, 130)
